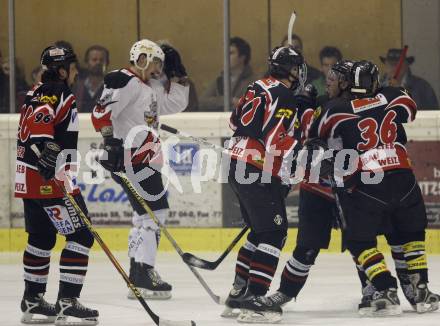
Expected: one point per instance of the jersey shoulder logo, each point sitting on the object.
(48, 99)
(363, 104)
(287, 113)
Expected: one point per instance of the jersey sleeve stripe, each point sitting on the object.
(64, 110)
(407, 103)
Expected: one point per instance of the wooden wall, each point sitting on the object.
(361, 29)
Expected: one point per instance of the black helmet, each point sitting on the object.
(281, 61)
(343, 69)
(364, 78)
(55, 56)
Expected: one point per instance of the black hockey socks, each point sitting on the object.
(36, 262)
(73, 263)
(265, 261)
(296, 271)
(244, 258)
(373, 263)
(361, 273)
(415, 258)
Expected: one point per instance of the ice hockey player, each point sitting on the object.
(133, 97)
(49, 120)
(317, 210)
(265, 129)
(371, 123)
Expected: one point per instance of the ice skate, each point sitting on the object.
(384, 303)
(424, 299)
(71, 312)
(150, 284)
(259, 310)
(364, 307)
(232, 302)
(36, 310)
(279, 298)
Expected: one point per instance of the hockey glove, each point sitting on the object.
(115, 155)
(173, 66)
(47, 162)
(327, 162)
(308, 96)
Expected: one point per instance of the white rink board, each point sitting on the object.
(106, 202)
(329, 298)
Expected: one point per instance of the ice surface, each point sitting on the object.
(330, 297)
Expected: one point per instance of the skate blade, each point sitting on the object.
(74, 321)
(389, 310)
(423, 307)
(230, 312)
(150, 295)
(367, 311)
(258, 317)
(29, 318)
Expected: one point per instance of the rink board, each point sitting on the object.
(191, 239)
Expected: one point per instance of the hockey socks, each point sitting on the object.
(296, 271)
(262, 268)
(73, 268)
(36, 264)
(244, 259)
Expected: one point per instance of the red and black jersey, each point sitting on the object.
(372, 126)
(266, 125)
(49, 113)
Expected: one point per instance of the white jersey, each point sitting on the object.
(127, 102)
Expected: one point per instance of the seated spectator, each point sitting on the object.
(21, 87)
(89, 86)
(241, 76)
(328, 56)
(420, 89)
(36, 75)
(193, 100)
(297, 44)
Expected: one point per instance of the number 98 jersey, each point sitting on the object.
(373, 126)
(49, 113)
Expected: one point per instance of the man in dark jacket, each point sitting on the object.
(421, 91)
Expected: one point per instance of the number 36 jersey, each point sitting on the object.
(48, 114)
(372, 126)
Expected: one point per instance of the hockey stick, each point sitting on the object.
(192, 260)
(290, 27)
(342, 220)
(203, 141)
(157, 320)
(189, 258)
(217, 299)
(400, 63)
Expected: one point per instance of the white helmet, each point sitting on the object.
(147, 47)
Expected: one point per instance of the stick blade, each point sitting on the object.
(192, 260)
(164, 322)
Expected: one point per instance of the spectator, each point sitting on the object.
(89, 87)
(420, 89)
(241, 76)
(328, 56)
(21, 87)
(297, 44)
(36, 75)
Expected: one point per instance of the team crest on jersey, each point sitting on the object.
(46, 190)
(287, 113)
(363, 104)
(278, 219)
(317, 112)
(48, 99)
